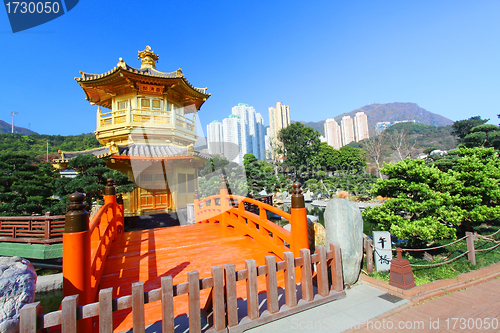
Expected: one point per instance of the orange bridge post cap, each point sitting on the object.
(77, 219)
(297, 196)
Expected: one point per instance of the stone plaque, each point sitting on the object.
(382, 252)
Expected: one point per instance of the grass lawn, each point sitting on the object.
(453, 269)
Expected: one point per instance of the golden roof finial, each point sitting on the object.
(121, 63)
(148, 58)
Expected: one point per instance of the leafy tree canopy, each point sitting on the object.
(428, 202)
(26, 187)
(300, 145)
(213, 170)
(486, 135)
(91, 180)
(462, 128)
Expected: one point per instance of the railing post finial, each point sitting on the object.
(223, 182)
(77, 219)
(297, 196)
(119, 199)
(110, 187)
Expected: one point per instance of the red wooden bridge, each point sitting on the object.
(100, 259)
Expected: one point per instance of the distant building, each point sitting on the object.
(242, 133)
(383, 125)
(215, 138)
(333, 134)
(361, 126)
(268, 143)
(279, 117)
(232, 138)
(347, 126)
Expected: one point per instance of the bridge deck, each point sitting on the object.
(148, 255)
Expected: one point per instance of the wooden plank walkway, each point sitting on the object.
(475, 309)
(148, 255)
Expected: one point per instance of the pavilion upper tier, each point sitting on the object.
(144, 103)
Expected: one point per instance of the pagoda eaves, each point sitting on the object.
(123, 79)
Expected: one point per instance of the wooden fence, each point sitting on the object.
(316, 288)
(44, 229)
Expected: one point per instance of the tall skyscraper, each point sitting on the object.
(215, 138)
(279, 117)
(361, 126)
(259, 146)
(347, 126)
(242, 133)
(332, 133)
(232, 134)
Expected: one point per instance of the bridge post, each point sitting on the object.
(224, 200)
(110, 197)
(76, 253)
(120, 211)
(298, 222)
(196, 202)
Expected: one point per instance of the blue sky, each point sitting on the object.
(323, 58)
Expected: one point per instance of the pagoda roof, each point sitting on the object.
(135, 150)
(122, 79)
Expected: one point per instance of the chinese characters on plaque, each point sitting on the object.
(382, 252)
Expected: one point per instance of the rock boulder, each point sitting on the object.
(17, 288)
(344, 225)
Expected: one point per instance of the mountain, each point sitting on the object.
(389, 112)
(7, 128)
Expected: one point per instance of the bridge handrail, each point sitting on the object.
(102, 231)
(86, 244)
(258, 226)
(263, 205)
(269, 234)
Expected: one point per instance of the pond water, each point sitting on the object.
(50, 300)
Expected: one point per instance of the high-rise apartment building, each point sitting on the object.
(259, 144)
(361, 126)
(215, 138)
(279, 117)
(333, 133)
(232, 135)
(242, 133)
(347, 126)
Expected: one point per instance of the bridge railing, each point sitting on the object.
(231, 210)
(87, 244)
(44, 229)
(223, 316)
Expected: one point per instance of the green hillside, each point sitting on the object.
(417, 138)
(36, 144)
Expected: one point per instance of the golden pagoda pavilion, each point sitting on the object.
(147, 127)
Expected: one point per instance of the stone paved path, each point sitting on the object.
(476, 309)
